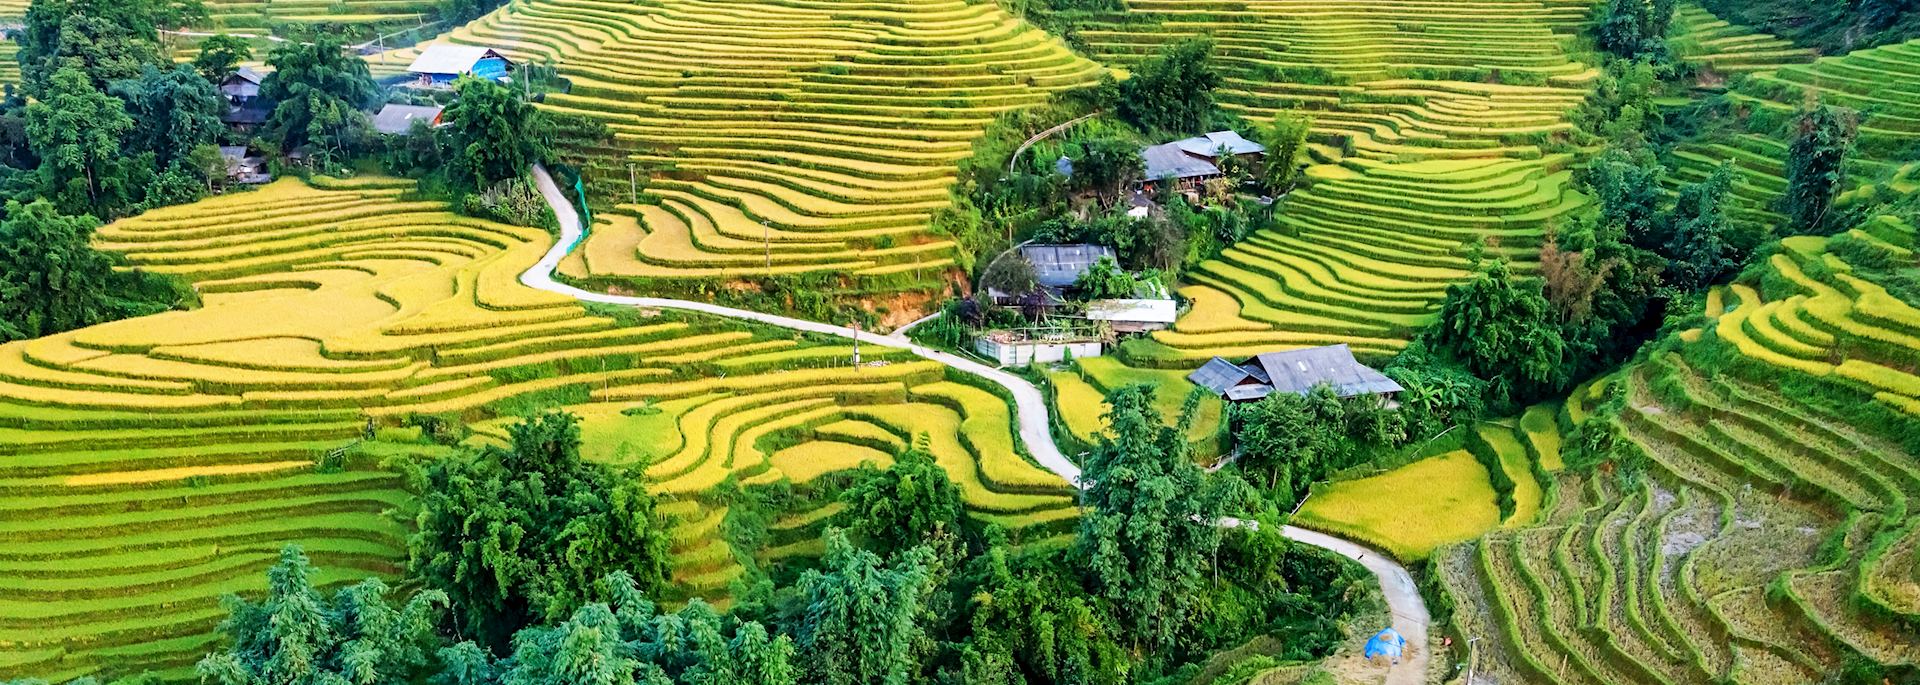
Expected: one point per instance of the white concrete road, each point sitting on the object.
(1410, 616)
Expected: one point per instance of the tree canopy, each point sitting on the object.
(860, 621)
(518, 536)
(1150, 525)
(297, 635)
(496, 135)
(1172, 93)
(1501, 328)
(318, 90)
(905, 505)
(1817, 165)
(52, 281)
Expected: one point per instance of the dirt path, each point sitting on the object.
(1410, 616)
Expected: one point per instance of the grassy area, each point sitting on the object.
(1411, 510)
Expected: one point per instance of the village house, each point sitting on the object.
(1190, 162)
(1294, 371)
(243, 166)
(439, 65)
(245, 109)
(1055, 268)
(398, 120)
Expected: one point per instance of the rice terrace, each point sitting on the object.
(996, 342)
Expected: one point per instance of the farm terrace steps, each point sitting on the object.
(1428, 118)
(1771, 532)
(778, 138)
(1700, 37)
(159, 462)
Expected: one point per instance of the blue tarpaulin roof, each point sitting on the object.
(1387, 643)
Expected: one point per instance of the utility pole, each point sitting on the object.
(633, 185)
(1471, 654)
(856, 345)
(766, 237)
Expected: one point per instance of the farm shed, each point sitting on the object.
(397, 120)
(440, 64)
(242, 86)
(1294, 371)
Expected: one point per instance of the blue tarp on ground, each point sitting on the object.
(1387, 643)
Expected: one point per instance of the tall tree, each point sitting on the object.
(1032, 624)
(106, 40)
(1172, 92)
(76, 130)
(1501, 328)
(1634, 29)
(1109, 165)
(1286, 140)
(51, 280)
(173, 111)
(496, 134)
(220, 56)
(859, 622)
(1151, 522)
(318, 90)
(1698, 250)
(1817, 165)
(1625, 184)
(905, 505)
(297, 635)
(518, 536)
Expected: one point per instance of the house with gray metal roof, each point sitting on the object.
(397, 120)
(1295, 371)
(1196, 160)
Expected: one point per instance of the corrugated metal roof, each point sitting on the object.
(1169, 161)
(1208, 145)
(1145, 311)
(1298, 371)
(1058, 266)
(248, 74)
(397, 120)
(1218, 375)
(444, 58)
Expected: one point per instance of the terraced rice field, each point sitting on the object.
(1879, 82)
(1451, 500)
(1699, 37)
(1428, 120)
(159, 462)
(1769, 538)
(796, 137)
(1080, 399)
(262, 16)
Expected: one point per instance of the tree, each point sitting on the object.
(624, 642)
(1172, 92)
(909, 503)
(518, 536)
(297, 635)
(1105, 280)
(1109, 165)
(1296, 440)
(858, 624)
(495, 134)
(318, 90)
(173, 111)
(1698, 250)
(220, 56)
(1817, 165)
(1626, 188)
(1286, 141)
(1151, 522)
(51, 280)
(1634, 29)
(1011, 274)
(1031, 624)
(76, 130)
(1501, 328)
(105, 40)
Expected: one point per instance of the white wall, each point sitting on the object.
(1022, 353)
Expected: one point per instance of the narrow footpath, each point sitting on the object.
(1409, 611)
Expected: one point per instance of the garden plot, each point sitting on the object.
(781, 138)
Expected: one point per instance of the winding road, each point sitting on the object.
(1410, 617)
